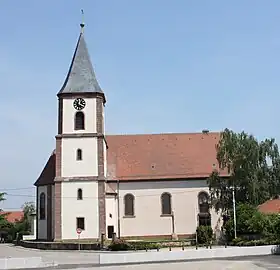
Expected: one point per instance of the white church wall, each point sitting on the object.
(111, 212)
(69, 116)
(71, 167)
(148, 220)
(87, 208)
(42, 223)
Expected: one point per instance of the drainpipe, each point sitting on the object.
(118, 205)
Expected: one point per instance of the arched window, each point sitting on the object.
(204, 216)
(79, 155)
(79, 121)
(166, 204)
(129, 205)
(80, 194)
(42, 205)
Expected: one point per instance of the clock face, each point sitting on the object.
(79, 103)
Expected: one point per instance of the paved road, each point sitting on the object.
(59, 257)
(253, 263)
(248, 263)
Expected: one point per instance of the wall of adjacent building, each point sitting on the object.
(32, 235)
(71, 208)
(148, 220)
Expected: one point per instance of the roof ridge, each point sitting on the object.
(159, 134)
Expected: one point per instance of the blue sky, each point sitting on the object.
(165, 66)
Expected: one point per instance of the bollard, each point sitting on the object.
(183, 248)
(169, 248)
(157, 248)
(210, 244)
(102, 240)
(226, 244)
(113, 237)
(146, 250)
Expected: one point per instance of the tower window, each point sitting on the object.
(79, 154)
(80, 223)
(79, 121)
(80, 194)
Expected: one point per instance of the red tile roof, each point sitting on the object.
(12, 216)
(162, 156)
(270, 207)
(154, 156)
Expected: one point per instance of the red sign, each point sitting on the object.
(79, 231)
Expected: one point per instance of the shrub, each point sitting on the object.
(249, 222)
(204, 234)
(144, 245)
(118, 245)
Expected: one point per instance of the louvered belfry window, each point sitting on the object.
(79, 121)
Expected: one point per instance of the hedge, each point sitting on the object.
(119, 245)
(245, 243)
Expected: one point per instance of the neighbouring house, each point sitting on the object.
(17, 216)
(12, 216)
(270, 207)
(137, 186)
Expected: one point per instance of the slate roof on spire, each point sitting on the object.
(81, 77)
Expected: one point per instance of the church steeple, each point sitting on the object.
(81, 77)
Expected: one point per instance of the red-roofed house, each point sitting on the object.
(138, 186)
(270, 207)
(12, 216)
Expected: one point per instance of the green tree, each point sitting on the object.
(28, 209)
(253, 168)
(2, 198)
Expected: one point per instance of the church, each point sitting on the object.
(148, 186)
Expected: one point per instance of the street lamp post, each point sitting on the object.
(234, 212)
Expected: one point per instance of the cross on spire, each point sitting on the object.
(82, 24)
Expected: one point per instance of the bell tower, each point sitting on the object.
(80, 151)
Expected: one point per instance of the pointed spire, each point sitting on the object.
(81, 77)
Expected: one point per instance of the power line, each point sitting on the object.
(15, 189)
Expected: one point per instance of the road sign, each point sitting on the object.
(79, 231)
